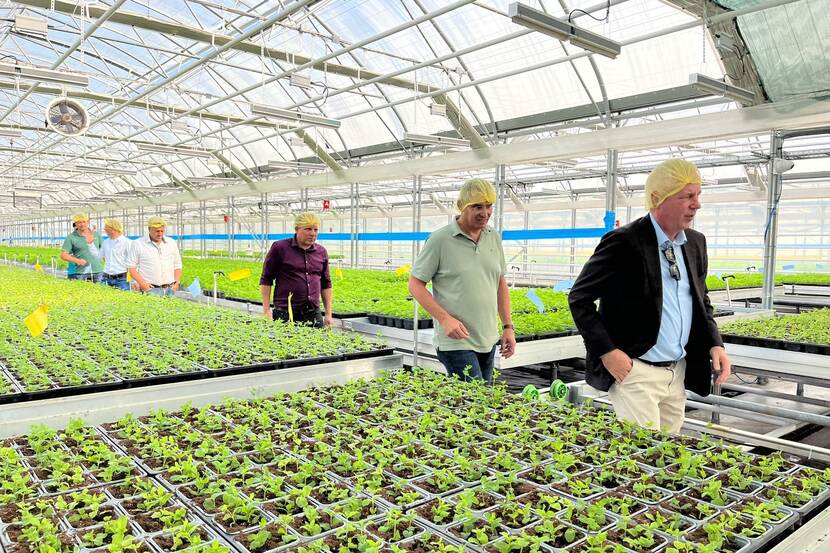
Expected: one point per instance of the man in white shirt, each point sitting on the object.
(156, 265)
(116, 253)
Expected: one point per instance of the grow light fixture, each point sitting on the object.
(300, 81)
(13, 133)
(104, 170)
(294, 116)
(297, 165)
(30, 25)
(438, 109)
(180, 150)
(34, 73)
(436, 140)
(210, 180)
(179, 126)
(157, 188)
(715, 87)
(563, 30)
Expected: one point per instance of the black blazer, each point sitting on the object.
(624, 275)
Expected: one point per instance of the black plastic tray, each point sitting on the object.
(186, 376)
(771, 343)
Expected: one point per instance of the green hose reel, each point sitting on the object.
(558, 391)
(530, 393)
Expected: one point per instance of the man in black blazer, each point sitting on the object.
(653, 335)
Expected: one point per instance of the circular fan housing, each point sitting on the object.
(67, 117)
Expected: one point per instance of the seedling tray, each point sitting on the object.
(803, 347)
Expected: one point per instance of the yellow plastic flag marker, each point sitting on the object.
(239, 274)
(37, 320)
(290, 311)
(338, 272)
(403, 270)
(129, 276)
(38, 267)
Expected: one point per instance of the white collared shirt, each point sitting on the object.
(117, 254)
(156, 263)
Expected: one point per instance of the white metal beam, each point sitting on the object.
(800, 113)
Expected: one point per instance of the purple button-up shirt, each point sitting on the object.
(303, 272)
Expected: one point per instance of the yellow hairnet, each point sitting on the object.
(307, 219)
(668, 178)
(80, 217)
(156, 222)
(114, 224)
(476, 191)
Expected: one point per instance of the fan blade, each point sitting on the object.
(63, 107)
(55, 119)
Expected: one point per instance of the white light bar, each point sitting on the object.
(211, 180)
(103, 170)
(30, 25)
(301, 165)
(33, 73)
(563, 30)
(715, 87)
(62, 181)
(179, 150)
(158, 188)
(294, 116)
(32, 189)
(13, 133)
(300, 81)
(435, 139)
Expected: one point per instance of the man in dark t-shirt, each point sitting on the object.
(300, 268)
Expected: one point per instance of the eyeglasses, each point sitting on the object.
(674, 270)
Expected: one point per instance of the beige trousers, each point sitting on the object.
(654, 397)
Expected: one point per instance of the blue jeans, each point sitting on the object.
(117, 282)
(92, 277)
(478, 365)
(161, 292)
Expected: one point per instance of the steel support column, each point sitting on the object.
(611, 182)
(266, 224)
(500, 177)
(202, 229)
(776, 146)
(231, 244)
(179, 227)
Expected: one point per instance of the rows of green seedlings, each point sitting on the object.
(97, 334)
(358, 291)
(406, 462)
(46, 254)
(811, 327)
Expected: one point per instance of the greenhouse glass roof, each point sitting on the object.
(172, 112)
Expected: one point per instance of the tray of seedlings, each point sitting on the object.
(408, 461)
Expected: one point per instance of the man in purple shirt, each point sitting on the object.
(300, 268)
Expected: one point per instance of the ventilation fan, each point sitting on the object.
(66, 116)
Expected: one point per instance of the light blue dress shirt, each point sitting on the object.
(676, 319)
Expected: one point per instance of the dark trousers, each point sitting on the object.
(313, 316)
(477, 365)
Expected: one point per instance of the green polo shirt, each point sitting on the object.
(465, 278)
(76, 245)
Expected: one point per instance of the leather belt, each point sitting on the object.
(162, 285)
(661, 364)
(119, 275)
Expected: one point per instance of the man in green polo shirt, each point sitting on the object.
(465, 262)
(80, 251)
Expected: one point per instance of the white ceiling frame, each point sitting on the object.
(797, 114)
